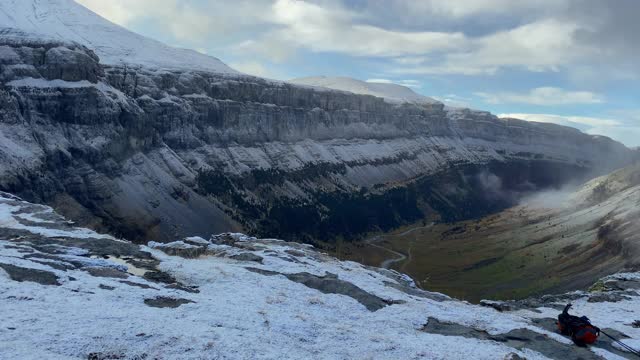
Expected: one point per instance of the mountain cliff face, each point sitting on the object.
(153, 150)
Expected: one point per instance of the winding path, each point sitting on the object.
(386, 264)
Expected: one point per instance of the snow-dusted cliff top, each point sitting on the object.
(390, 92)
(66, 20)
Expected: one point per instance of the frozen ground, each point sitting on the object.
(72, 293)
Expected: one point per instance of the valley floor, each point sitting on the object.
(552, 243)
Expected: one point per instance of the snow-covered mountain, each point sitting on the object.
(71, 293)
(66, 20)
(177, 145)
(389, 91)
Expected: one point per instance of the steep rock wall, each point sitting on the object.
(155, 153)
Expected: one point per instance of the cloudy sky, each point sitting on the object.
(573, 62)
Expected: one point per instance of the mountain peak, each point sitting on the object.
(389, 91)
(67, 20)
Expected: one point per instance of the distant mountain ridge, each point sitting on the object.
(389, 91)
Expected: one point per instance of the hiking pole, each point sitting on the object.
(629, 348)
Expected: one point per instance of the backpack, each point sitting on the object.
(580, 329)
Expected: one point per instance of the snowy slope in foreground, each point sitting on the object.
(66, 20)
(391, 92)
(71, 293)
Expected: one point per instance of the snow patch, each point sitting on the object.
(9, 220)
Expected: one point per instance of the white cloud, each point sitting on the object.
(541, 46)
(544, 35)
(411, 60)
(336, 29)
(466, 8)
(543, 96)
(546, 39)
(408, 82)
(446, 69)
(180, 18)
(188, 21)
(272, 48)
(545, 45)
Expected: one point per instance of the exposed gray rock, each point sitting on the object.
(107, 356)
(159, 276)
(296, 253)
(166, 302)
(247, 257)
(519, 339)
(189, 289)
(143, 286)
(607, 297)
(18, 273)
(106, 272)
(498, 305)
(557, 301)
(223, 239)
(417, 292)
(57, 266)
(263, 271)
(514, 356)
(330, 284)
(549, 324)
(621, 284)
(195, 240)
(180, 248)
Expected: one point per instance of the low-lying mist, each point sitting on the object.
(552, 198)
(528, 193)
